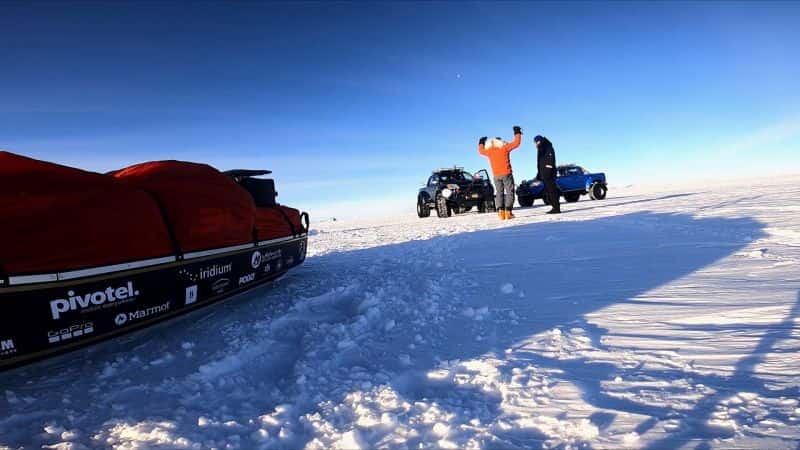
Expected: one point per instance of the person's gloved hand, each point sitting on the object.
(517, 129)
(482, 140)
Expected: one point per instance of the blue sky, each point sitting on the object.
(352, 104)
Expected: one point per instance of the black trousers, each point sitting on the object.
(504, 192)
(551, 190)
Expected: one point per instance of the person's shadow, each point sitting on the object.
(453, 297)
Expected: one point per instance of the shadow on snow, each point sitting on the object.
(564, 269)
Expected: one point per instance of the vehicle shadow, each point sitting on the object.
(631, 202)
(453, 297)
(608, 202)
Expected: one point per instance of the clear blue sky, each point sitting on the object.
(357, 101)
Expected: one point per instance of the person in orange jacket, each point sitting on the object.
(498, 152)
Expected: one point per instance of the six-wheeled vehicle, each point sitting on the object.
(454, 190)
(572, 180)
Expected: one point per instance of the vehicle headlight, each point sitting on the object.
(446, 193)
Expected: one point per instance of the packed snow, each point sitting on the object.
(653, 319)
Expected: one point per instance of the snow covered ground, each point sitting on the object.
(663, 319)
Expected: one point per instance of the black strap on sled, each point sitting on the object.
(176, 247)
(3, 277)
(305, 221)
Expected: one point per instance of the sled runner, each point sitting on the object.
(85, 257)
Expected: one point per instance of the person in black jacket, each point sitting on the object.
(547, 172)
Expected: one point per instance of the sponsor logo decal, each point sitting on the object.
(220, 285)
(276, 254)
(255, 260)
(214, 271)
(73, 331)
(7, 347)
(267, 267)
(139, 314)
(191, 294)
(247, 278)
(92, 301)
(206, 273)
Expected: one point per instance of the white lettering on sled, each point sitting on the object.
(7, 345)
(75, 302)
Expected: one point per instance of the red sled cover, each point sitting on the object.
(56, 218)
(271, 223)
(205, 208)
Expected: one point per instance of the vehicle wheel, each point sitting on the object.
(572, 197)
(442, 210)
(525, 201)
(598, 191)
(422, 209)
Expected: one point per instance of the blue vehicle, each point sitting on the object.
(573, 181)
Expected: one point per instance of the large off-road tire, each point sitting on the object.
(442, 209)
(572, 197)
(422, 209)
(598, 191)
(525, 201)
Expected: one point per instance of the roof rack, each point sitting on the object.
(246, 173)
(443, 169)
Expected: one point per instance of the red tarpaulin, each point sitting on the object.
(206, 208)
(54, 218)
(271, 223)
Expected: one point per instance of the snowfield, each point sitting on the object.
(653, 319)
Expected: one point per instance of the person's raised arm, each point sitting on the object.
(481, 146)
(517, 139)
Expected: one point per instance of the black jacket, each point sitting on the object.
(546, 157)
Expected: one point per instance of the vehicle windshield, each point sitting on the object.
(571, 170)
(455, 177)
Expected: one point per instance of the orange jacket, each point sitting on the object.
(499, 156)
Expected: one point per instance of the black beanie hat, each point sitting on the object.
(538, 138)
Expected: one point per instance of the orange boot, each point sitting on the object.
(502, 214)
(509, 215)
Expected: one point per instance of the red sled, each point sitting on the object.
(86, 256)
